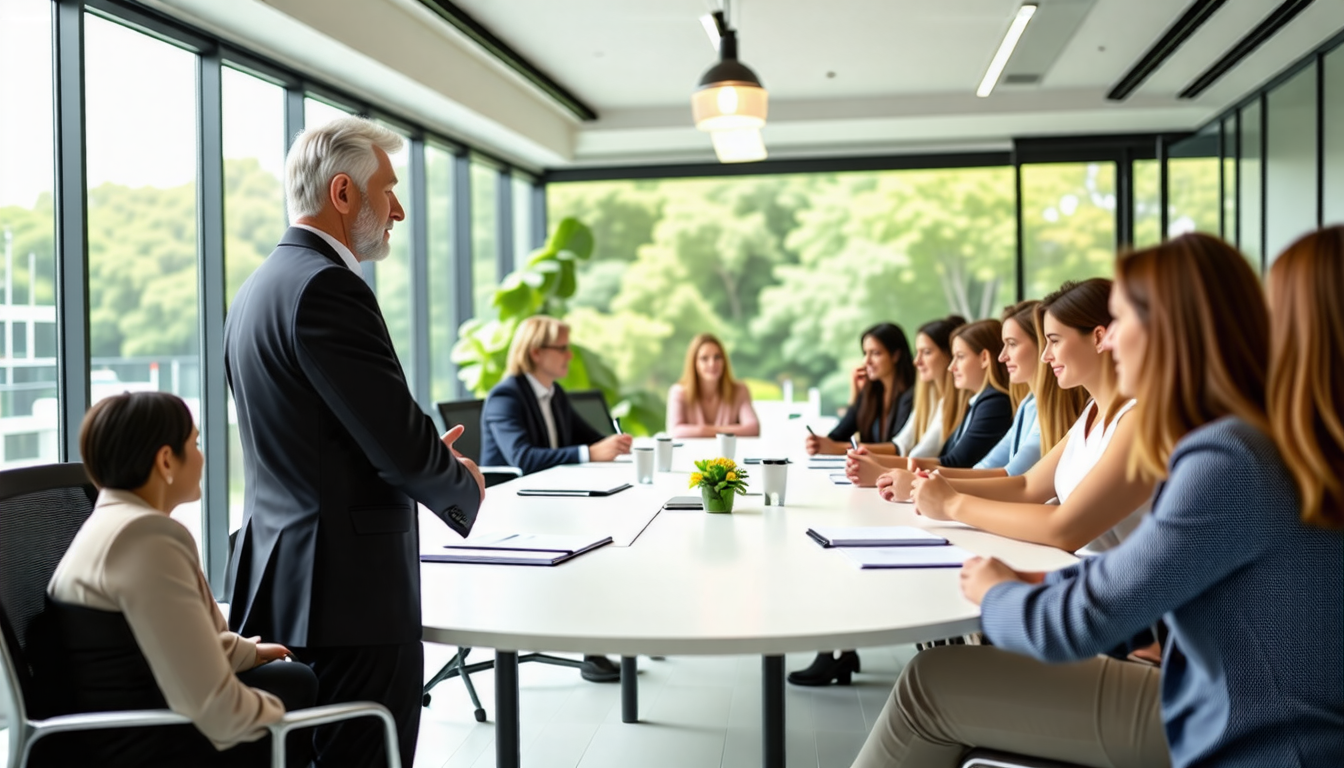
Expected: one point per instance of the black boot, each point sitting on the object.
(827, 668)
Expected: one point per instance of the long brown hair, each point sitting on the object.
(1064, 406)
(690, 378)
(1208, 342)
(1083, 306)
(1022, 313)
(986, 336)
(892, 338)
(926, 398)
(1307, 355)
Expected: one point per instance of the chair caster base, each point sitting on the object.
(424, 700)
(480, 715)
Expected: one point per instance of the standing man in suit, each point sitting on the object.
(336, 452)
(528, 423)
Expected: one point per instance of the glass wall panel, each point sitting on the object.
(1068, 223)
(522, 219)
(317, 111)
(1290, 162)
(787, 269)
(442, 286)
(394, 272)
(1229, 154)
(141, 139)
(1193, 194)
(28, 398)
(254, 208)
(1147, 203)
(1334, 136)
(1249, 213)
(484, 263)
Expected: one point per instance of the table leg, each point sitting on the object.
(508, 747)
(772, 688)
(629, 690)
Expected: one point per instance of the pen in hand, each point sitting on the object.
(854, 441)
(616, 422)
(809, 430)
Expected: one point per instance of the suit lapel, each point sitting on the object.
(536, 425)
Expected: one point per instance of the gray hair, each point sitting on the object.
(344, 145)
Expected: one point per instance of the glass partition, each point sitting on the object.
(1249, 213)
(1230, 146)
(1333, 138)
(1192, 184)
(1290, 162)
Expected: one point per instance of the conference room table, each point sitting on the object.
(693, 583)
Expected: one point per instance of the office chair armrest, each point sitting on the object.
(331, 713)
(89, 721)
(515, 471)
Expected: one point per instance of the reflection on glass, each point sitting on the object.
(394, 272)
(1249, 213)
(28, 397)
(1290, 162)
(1147, 203)
(1068, 223)
(484, 220)
(1334, 137)
(442, 299)
(141, 134)
(787, 269)
(522, 219)
(254, 208)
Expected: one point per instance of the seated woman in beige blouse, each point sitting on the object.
(708, 400)
(130, 622)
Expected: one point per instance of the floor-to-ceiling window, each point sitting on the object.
(1068, 223)
(484, 245)
(1290, 162)
(28, 395)
(393, 273)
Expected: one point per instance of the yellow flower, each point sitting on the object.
(695, 479)
(732, 476)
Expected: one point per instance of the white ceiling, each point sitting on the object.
(905, 71)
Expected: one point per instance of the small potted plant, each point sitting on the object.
(719, 481)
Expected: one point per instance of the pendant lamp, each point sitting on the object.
(730, 96)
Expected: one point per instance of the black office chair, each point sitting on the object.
(468, 414)
(592, 408)
(985, 758)
(41, 510)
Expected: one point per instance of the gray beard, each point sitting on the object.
(367, 233)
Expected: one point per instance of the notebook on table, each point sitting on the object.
(826, 462)
(574, 491)
(517, 549)
(874, 536)
(907, 557)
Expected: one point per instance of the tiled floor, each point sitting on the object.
(695, 712)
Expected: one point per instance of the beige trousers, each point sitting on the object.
(1100, 712)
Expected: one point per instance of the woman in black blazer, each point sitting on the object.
(881, 392)
(976, 369)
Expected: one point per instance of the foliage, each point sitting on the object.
(542, 286)
(719, 475)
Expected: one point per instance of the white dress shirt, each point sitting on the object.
(544, 397)
(345, 253)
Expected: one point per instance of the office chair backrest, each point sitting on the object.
(468, 414)
(41, 510)
(592, 408)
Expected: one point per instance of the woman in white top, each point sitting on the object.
(1087, 471)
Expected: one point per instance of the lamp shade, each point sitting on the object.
(743, 145)
(730, 96)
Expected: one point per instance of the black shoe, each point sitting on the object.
(827, 668)
(599, 669)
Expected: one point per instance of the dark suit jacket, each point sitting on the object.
(986, 422)
(869, 433)
(336, 453)
(513, 434)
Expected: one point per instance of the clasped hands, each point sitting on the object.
(930, 492)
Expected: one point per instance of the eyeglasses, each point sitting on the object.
(561, 348)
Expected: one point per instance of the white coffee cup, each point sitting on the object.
(727, 445)
(662, 452)
(643, 464)
(774, 479)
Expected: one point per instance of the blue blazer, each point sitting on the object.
(987, 420)
(513, 433)
(336, 453)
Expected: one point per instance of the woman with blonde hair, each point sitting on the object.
(1099, 503)
(1252, 671)
(708, 400)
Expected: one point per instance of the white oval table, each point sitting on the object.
(693, 583)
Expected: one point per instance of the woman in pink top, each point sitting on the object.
(708, 400)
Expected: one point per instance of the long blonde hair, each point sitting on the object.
(929, 394)
(1208, 343)
(690, 378)
(1083, 306)
(1307, 355)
